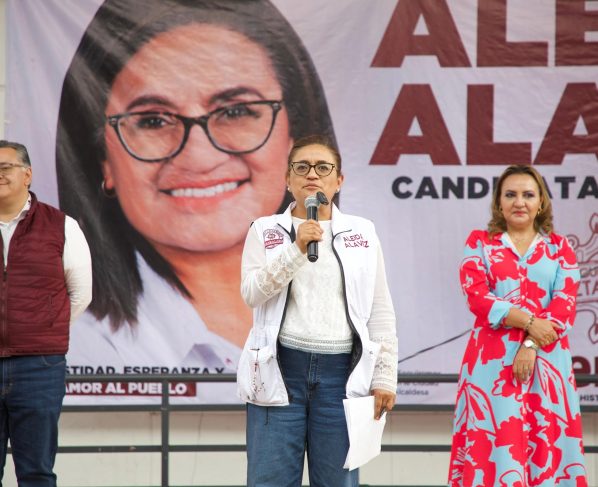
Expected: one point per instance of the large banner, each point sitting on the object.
(429, 101)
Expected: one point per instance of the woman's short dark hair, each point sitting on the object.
(117, 31)
(542, 222)
(316, 139)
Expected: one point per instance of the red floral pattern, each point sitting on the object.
(508, 433)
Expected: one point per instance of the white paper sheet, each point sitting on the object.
(365, 433)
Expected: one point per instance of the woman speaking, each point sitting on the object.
(322, 331)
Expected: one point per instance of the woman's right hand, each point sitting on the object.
(543, 332)
(524, 364)
(308, 231)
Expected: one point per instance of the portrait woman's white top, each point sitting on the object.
(170, 337)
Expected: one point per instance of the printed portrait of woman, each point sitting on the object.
(176, 118)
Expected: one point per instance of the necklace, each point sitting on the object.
(524, 238)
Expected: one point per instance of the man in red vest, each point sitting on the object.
(46, 283)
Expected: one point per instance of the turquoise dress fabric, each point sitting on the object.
(506, 432)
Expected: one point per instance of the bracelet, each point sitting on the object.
(529, 323)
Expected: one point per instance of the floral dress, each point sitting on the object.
(505, 432)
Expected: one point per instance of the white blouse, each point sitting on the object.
(316, 319)
(321, 325)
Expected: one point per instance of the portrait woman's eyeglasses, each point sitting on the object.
(154, 136)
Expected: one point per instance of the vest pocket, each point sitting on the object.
(360, 379)
(259, 380)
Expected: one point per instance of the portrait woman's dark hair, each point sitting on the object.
(116, 33)
(542, 222)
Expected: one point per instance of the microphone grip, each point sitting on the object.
(312, 251)
(312, 247)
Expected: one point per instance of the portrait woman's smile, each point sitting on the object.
(196, 138)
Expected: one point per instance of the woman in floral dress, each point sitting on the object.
(517, 421)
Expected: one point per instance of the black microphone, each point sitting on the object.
(312, 203)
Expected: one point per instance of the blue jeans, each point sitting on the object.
(32, 389)
(314, 421)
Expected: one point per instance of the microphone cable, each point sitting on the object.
(427, 349)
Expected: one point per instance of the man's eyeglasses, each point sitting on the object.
(8, 168)
(154, 136)
(321, 168)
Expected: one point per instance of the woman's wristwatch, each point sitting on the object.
(529, 343)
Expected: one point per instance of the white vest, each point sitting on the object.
(355, 243)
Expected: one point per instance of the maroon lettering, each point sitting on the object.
(415, 102)
(581, 365)
(579, 100)
(572, 23)
(481, 148)
(357, 243)
(493, 47)
(442, 40)
(350, 238)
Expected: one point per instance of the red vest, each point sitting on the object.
(34, 305)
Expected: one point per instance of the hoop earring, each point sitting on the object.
(108, 193)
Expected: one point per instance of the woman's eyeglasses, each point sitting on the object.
(154, 136)
(321, 168)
